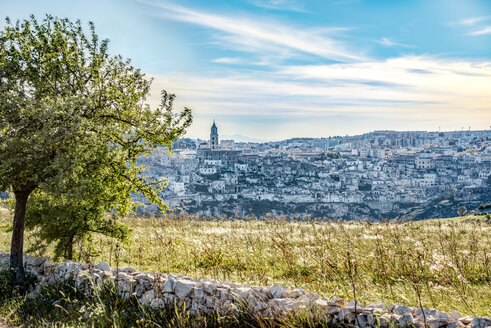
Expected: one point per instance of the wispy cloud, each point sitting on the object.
(252, 35)
(474, 20)
(477, 23)
(389, 43)
(290, 5)
(343, 2)
(413, 88)
(482, 31)
(228, 60)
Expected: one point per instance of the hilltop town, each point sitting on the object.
(389, 174)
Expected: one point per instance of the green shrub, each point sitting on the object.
(8, 287)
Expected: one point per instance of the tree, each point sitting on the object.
(69, 111)
(461, 211)
(65, 221)
(75, 214)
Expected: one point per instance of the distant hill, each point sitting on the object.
(241, 138)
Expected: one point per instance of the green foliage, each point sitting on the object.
(8, 289)
(332, 155)
(73, 122)
(5, 284)
(66, 221)
(70, 111)
(484, 206)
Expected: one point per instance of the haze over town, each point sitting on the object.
(275, 69)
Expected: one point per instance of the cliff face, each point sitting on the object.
(210, 296)
(445, 206)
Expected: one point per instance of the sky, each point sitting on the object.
(276, 69)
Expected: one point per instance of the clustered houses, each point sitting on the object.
(378, 174)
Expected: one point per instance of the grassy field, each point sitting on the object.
(445, 264)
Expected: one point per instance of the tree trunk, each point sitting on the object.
(17, 245)
(70, 247)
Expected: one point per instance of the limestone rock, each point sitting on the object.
(209, 301)
(121, 276)
(332, 309)
(148, 297)
(455, 315)
(127, 270)
(198, 293)
(339, 302)
(183, 288)
(169, 299)
(321, 303)
(455, 324)
(347, 314)
(38, 261)
(126, 286)
(209, 287)
(283, 304)
(298, 292)
(406, 319)
(402, 309)
(355, 305)
(104, 266)
(466, 320)
(384, 321)
(362, 320)
(277, 291)
(157, 303)
(480, 322)
(241, 293)
(169, 285)
(371, 319)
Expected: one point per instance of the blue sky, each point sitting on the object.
(274, 69)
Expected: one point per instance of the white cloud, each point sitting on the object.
(408, 79)
(290, 5)
(482, 31)
(389, 43)
(228, 60)
(413, 88)
(473, 20)
(260, 37)
(476, 23)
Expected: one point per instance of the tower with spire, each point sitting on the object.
(214, 137)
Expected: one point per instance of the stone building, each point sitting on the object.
(226, 157)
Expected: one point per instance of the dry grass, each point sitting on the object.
(445, 264)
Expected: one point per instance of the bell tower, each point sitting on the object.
(214, 137)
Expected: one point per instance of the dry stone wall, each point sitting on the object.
(210, 296)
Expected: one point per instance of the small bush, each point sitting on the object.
(6, 284)
(8, 287)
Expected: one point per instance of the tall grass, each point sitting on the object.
(445, 264)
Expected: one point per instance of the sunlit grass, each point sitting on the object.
(446, 262)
